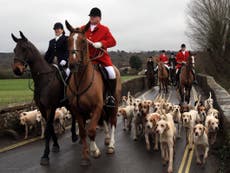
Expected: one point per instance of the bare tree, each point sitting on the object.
(208, 26)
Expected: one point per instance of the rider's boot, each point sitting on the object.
(194, 76)
(110, 100)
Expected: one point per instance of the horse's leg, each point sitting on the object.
(107, 136)
(48, 134)
(73, 127)
(82, 133)
(181, 89)
(94, 150)
(113, 122)
(160, 83)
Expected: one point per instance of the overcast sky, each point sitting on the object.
(136, 24)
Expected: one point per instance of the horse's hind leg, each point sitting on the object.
(188, 91)
(107, 136)
(73, 127)
(160, 85)
(49, 131)
(113, 122)
(181, 90)
(85, 161)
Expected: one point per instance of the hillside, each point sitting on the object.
(119, 58)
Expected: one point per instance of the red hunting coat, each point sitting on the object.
(180, 57)
(164, 59)
(101, 34)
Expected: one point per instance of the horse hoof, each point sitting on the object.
(110, 150)
(85, 162)
(74, 138)
(55, 149)
(44, 161)
(107, 141)
(96, 154)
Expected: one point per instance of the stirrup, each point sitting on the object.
(110, 102)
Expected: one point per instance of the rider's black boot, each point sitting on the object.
(110, 100)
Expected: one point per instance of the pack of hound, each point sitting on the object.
(162, 121)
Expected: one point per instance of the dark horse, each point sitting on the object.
(86, 92)
(48, 88)
(185, 80)
(150, 74)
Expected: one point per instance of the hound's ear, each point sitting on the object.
(206, 130)
(209, 123)
(167, 127)
(69, 27)
(14, 38)
(194, 128)
(23, 36)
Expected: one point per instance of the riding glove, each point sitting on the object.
(97, 45)
(63, 62)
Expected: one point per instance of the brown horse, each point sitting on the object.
(163, 77)
(86, 93)
(186, 79)
(48, 88)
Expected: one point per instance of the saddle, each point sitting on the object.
(103, 71)
(61, 74)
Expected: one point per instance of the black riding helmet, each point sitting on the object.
(58, 25)
(183, 45)
(94, 12)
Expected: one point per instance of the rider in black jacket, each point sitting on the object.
(57, 52)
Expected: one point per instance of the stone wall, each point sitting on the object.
(221, 97)
(135, 86)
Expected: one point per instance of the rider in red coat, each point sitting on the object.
(100, 38)
(181, 58)
(163, 58)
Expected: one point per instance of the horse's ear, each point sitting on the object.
(14, 38)
(86, 27)
(23, 36)
(69, 27)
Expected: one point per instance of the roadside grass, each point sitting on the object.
(14, 91)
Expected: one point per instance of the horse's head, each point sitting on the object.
(78, 47)
(21, 54)
(191, 58)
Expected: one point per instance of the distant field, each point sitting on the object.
(14, 91)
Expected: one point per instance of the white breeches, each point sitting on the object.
(111, 72)
(166, 65)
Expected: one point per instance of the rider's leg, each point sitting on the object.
(177, 76)
(110, 100)
(194, 75)
(156, 69)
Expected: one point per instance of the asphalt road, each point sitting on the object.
(130, 156)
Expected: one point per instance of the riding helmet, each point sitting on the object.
(183, 46)
(58, 25)
(95, 12)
